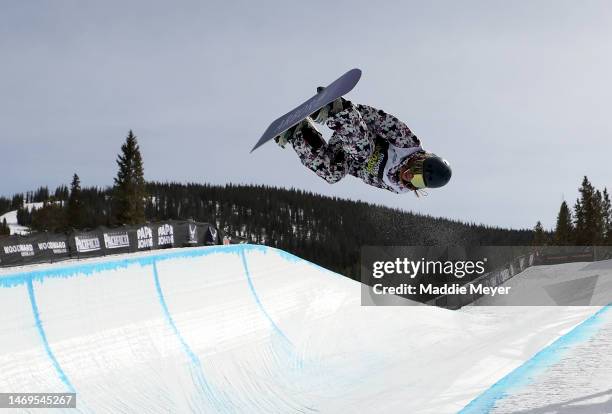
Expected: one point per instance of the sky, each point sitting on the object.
(516, 95)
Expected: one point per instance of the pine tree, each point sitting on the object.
(129, 191)
(539, 235)
(606, 209)
(74, 210)
(564, 231)
(40, 196)
(588, 215)
(50, 217)
(579, 222)
(5, 205)
(17, 202)
(24, 216)
(4, 228)
(61, 193)
(598, 220)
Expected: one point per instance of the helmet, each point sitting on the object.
(436, 171)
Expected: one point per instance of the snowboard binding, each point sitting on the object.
(322, 115)
(306, 126)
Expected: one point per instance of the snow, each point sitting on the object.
(578, 383)
(11, 219)
(574, 373)
(250, 329)
(32, 206)
(570, 283)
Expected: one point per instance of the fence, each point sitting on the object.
(496, 277)
(49, 247)
(545, 255)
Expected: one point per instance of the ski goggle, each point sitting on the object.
(418, 181)
(416, 169)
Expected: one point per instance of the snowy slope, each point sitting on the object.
(249, 329)
(572, 375)
(570, 283)
(578, 381)
(11, 219)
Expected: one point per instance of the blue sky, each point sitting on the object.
(516, 95)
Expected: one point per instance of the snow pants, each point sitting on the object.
(352, 143)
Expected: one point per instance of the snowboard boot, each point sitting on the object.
(322, 115)
(309, 130)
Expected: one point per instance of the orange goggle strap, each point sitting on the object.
(417, 181)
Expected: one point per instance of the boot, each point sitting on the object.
(288, 135)
(322, 115)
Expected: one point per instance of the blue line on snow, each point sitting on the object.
(524, 374)
(195, 361)
(258, 300)
(89, 268)
(160, 295)
(483, 403)
(43, 337)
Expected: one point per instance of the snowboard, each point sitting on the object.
(340, 87)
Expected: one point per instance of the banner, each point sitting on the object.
(15, 251)
(212, 236)
(144, 238)
(118, 240)
(86, 244)
(49, 247)
(164, 235)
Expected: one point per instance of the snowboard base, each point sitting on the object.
(340, 87)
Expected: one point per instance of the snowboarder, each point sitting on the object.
(366, 143)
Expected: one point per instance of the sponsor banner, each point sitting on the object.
(86, 244)
(35, 248)
(192, 233)
(51, 247)
(144, 238)
(54, 246)
(45, 247)
(165, 235)
(213, 236)
(16, 251)
(9, 259)
(23, 249)
(116, 240)
(188, 233)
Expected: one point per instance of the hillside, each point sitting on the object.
(325, 230)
